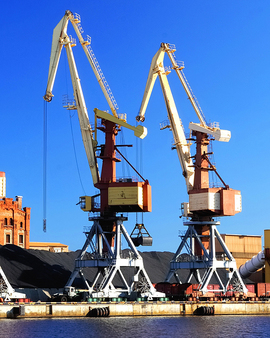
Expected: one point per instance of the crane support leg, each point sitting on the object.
(113, 266)
(207, 264)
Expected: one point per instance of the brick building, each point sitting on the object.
(14, 220)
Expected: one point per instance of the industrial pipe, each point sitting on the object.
(251, 266)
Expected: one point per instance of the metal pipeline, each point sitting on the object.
(251, 266)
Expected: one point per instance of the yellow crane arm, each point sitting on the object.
(216, 132)
(152, 76)
(181, 144)
(59, 33)
(139, 130)
(60, 39)
(86, 45)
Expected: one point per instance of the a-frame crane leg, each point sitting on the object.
(113, 265)
(206, 265)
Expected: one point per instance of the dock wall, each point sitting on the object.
(47, 310)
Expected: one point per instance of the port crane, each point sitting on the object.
(205, 202)
(117, 196)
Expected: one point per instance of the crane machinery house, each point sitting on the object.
(14, 220)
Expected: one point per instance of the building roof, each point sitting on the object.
(46, 244)
(240, 235)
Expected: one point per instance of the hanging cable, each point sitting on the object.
(71, 128)
(124, 165)
(122, 142)
(45, 167)
(139, 160)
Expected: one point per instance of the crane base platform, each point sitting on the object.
(118, 273)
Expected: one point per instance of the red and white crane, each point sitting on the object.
(205, 202)
(116, 196)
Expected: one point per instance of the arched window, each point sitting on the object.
(11, 221)
(21, 224)
(5, 221)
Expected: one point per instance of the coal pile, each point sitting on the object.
(44, 269)
(157, 264)
(36, 268)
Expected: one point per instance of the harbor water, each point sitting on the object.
(132, 327)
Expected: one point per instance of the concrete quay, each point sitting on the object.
(48, 310)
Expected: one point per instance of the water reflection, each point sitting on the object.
(116, 327)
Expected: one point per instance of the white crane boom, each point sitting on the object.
(86, 130)
(181, 144)
(60, 39)
(218, 134)
(170, 49)
(61, 30)
(86, 45)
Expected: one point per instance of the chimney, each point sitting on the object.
(2, 184)
(19, 200)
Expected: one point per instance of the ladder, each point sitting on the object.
(179, 67)
(103, 79)
(77, 22)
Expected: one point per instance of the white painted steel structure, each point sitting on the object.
(6, 290)
(209, 263)
(112, 265)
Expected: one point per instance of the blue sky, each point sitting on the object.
(226, 50)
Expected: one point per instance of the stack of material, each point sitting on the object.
(36, 268)
(43, 269)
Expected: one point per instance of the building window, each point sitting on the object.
(20, 239)
(21, 224)
(11, 221)
(5, 221)
(7, 238)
